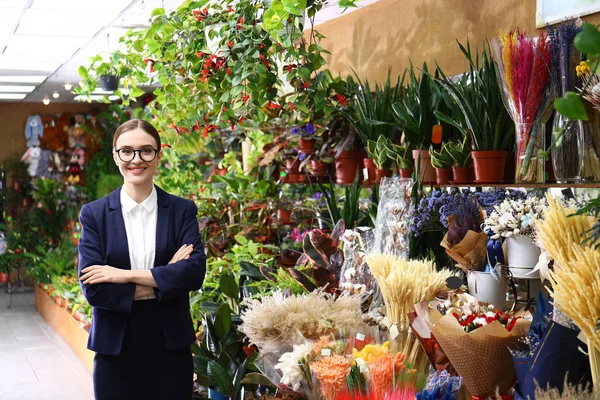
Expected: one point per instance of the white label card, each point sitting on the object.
(360, 336)
(394, 332)
(326, 352)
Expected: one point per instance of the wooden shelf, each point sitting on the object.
(593, 185)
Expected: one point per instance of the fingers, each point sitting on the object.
(183, 253)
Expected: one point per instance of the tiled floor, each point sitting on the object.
(35, 363)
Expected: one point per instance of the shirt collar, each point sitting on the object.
(149, 204)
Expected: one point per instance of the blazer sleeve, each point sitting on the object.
(110, 296)
(185, 275)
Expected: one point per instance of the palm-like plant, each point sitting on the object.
(476, 103)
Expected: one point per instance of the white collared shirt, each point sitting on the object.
(140, 226)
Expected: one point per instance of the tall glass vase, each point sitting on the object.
(591, 140)
(568, 150)
(530, 140)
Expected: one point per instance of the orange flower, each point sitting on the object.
(331, 373)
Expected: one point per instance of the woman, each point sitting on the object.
(140, 255)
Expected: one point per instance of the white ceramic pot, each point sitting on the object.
(484, 287)
(523, 255)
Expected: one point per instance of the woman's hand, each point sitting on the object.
(104, 274)
(183, 253)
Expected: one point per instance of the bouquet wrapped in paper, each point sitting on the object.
(464, 242)
(476, 341)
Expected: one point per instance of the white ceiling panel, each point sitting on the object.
(63, 23)
(90, 6)
(45, 48)
(13, 3)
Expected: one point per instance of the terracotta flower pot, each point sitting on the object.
(426, 170)
(284, 217)
(406, 173)
(3, 277)
(489, 166)
(370, 171)
(462, 174)
(443, 176)
(380, 173)
(347, 165)
(307, 146)
(319, 168)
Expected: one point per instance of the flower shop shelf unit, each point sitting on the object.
(593, 185)
(66, 326)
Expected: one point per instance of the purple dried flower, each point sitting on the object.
(309, 128)
(295, 131)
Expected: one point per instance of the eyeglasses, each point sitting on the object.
(146, 154)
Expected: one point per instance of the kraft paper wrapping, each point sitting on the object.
(470, 253)
(481, 357)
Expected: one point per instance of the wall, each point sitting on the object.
(13, 117)
(392, 32)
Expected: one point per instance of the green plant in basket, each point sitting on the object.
(441, 158)
(460, 152)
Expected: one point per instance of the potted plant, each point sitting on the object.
(383, 159)
(306, 137)
(105, 71)
(416, 115)
(478, 111)
(461, 155)
(442, 162)
(291, 247)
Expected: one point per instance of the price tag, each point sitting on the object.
(360, 336)
(385, 321)
(394, 332)
(326, 352)
(366, 173)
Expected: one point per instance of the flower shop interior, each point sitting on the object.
(398, 199)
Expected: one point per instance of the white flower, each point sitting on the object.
(350, 273)
(291, 365)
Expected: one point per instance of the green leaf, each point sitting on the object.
(136, 92)
(255, 378)
(220, 378)
(228, 285)
(304, 73)
(157, 11)
(223, 321)
(571, 106)
(83, 72)
(588, 40)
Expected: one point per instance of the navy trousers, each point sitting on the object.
(145, 369)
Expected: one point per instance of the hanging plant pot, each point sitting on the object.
(369, 171)
(489, 166)
(110, 83)
(462, 174)
(443, 176)
(381, 173)
(426, 170)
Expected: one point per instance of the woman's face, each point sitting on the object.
(136, 171)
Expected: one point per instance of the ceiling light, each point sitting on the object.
(22, 78)
(68, 86)
(16, 89)
(46, 101)
(12, 96)
(56, 95)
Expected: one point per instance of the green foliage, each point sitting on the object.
(460, 152)
(350, 210)
(106, 183)
(475, 104)
(441, 158)
(372, 114)
(51, 262)
(380, 152)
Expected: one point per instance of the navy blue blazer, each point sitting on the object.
(104, 242)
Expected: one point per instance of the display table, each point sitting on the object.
(66, 326)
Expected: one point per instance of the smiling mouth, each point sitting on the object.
(136, 170)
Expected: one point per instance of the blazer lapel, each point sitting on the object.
(162, 227)
(118, 245)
